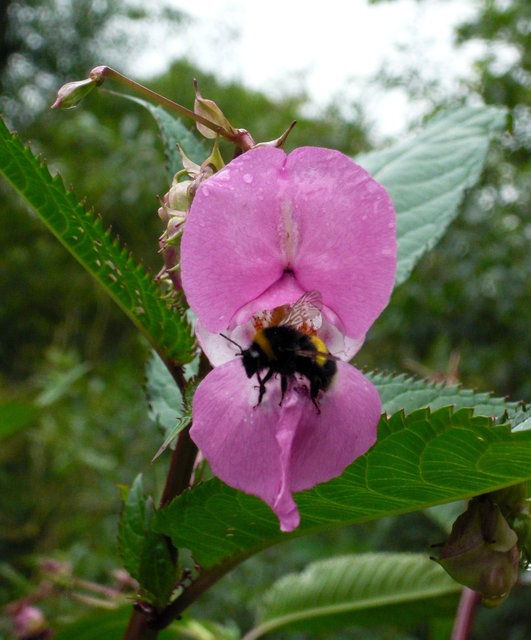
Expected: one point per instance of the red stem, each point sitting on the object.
(465, 614)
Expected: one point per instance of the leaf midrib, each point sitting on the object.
(346, 607)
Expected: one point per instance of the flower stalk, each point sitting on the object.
(72, 93)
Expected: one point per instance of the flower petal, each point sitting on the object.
(314, 214)
(345, 429)
(229, 250)
(347, 235)
(271, 451)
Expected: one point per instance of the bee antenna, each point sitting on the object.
(233, 342)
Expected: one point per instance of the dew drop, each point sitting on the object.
(247, 178)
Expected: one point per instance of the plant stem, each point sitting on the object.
(465, 614)
(181, 467)
(102, 72)
(138, 629)
(177, 480)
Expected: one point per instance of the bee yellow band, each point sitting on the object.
(263, 343)
(321, 349)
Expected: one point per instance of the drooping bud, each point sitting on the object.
(71, 93)
(481, 552)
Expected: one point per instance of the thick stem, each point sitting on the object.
(138, 629)
(181, 467)
(191, 593)
(465, 614)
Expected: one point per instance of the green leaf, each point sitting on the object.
(130, 286)
(15, 417)
(206, 630)
(403, 392)
(426, 176)
(157, 568)
(147, 555)
(420, 460)
(131, 528)
(181, 424)
(165, 401)
(108, 625)
(173, 132)
(391, 589)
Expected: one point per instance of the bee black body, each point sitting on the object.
(285, 350)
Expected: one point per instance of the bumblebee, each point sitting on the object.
(289, 347)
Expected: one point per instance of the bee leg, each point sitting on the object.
(314, 392)
(283, 388)
(261, 384)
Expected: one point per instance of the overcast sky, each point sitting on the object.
(327, 48)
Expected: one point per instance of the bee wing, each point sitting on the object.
(315, 354)
(305, 310)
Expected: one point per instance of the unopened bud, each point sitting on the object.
(178, 195)
(29, 623)
(71, 93)
(481, 552)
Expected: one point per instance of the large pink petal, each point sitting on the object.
(243, 442)
(314, 214)
(230, 251)
(346, 245)
(271, 451)
(345, 429)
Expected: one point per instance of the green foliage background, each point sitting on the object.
(72, 363)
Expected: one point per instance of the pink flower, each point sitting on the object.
(260, 233)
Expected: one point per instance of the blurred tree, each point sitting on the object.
(468, 301)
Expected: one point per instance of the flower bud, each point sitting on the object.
(481, 552)
(71, 93)
(29, 623)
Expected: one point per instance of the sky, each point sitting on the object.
(329, 49)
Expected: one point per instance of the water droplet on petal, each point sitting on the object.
(247, 178)
(224, 175)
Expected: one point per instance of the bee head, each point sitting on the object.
(251, 361)
(251, 357)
